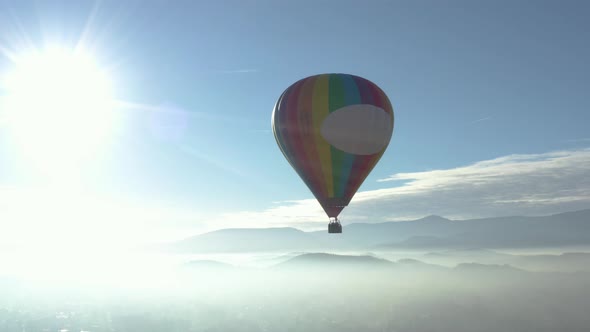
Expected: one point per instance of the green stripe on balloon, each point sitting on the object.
(337, 101)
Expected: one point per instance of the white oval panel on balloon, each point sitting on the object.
(358, 129)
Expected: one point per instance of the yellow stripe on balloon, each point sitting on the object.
(320, 112)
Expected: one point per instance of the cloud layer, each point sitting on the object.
(533, 184)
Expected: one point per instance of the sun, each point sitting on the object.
(58, 107)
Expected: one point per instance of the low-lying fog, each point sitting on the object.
(453, 290)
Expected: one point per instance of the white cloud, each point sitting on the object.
(481, 120)
(533, 184)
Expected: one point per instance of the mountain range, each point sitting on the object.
(432, 232)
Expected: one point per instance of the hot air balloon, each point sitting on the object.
(333, 129)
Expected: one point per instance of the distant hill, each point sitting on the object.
(432, 232)
(417, 266)
(467, 252)
(474, 261)
(324, 259)
(566, 229)
(570, 262)
(484, 256)
(487, 268)
(566, 262)
(247, 239)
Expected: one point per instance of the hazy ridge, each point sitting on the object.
(565, 229)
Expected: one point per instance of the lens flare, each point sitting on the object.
(58, 108)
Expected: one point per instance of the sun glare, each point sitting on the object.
(58, 107)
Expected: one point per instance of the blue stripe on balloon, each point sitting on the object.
(351, 97)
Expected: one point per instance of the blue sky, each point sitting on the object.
(469, 82)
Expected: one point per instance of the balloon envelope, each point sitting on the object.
(333, 129)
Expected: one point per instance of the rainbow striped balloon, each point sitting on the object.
(333, 129)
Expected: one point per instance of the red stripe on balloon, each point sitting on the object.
(295, 136)
(364, 168)
(285, 128)
(308, 137)
(380, 99)
(280, 124)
